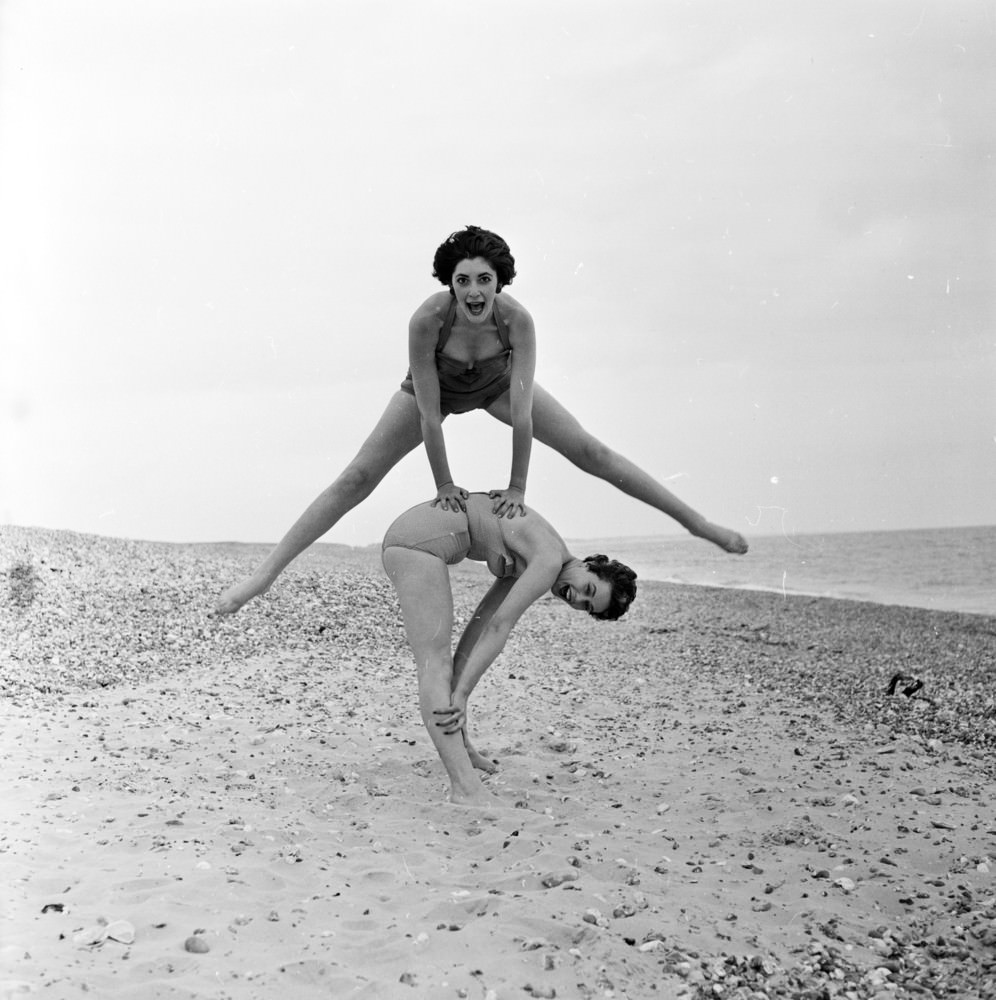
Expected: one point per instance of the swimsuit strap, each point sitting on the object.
(502, 329)
(447, 328)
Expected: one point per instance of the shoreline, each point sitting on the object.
(716, 790)
(788, 592)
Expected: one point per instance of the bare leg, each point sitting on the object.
(397, 432)
(557, 428)
(422, 582)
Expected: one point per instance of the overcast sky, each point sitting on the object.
(756, 238)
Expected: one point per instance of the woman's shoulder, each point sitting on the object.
(515, 315)
(511, 309)
(430, 314)
(533, 535)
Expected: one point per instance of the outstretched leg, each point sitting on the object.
(397, 432)
(556, 427)
(422, 582)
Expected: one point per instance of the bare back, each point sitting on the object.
(531, 539)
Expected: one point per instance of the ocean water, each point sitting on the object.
(945, 569)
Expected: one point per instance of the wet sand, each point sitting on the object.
(716, 791)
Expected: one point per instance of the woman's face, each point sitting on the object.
(582, 589)
(475, 285)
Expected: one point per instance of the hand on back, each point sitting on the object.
(449, 496)
(508, 502)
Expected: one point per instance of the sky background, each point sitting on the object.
(757, 240)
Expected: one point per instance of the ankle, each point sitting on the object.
(698, 526)
(465, 787)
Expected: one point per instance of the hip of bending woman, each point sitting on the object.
(528, 560)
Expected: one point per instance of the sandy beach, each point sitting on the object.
(716, 796)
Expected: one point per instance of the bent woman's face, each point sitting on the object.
(582, 589)
(475, 285)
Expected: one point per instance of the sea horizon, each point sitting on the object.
(944, 569)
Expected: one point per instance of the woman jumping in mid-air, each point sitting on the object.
(470, 349)
(529, 559)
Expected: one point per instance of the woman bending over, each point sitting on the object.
(528, 559)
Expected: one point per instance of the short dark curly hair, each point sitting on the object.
(467, 244)
(622, 580)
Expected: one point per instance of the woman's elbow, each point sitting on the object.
(520, 409)
(523, 424)
(429, 419)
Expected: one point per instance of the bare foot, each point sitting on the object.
(727, 539)
(475, 797)
(481, 762)
(478, 759)
(233, 598)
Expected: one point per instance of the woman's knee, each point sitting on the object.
(591, 455)
(381, 452)
(435, 676)
(358, 480)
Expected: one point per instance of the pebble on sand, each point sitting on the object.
(554, 879)
(540, 991)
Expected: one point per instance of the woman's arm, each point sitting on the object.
(522, 337)
(479, 621)
(422, 336)
(503, 607)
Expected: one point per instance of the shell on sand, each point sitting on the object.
(121, 930)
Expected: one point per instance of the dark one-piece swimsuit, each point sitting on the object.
(462, 389)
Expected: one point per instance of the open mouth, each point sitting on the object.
(565, 592)
(475, 308)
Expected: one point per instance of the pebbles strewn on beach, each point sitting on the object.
(714, 797)
(85, 611)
